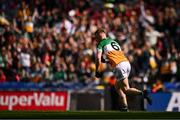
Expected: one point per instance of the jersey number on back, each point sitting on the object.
(115, 46)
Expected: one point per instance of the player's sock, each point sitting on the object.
(147, 97)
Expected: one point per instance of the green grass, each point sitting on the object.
(88, 115)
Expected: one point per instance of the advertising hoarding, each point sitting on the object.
(29, 100)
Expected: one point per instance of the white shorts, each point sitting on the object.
(122, 70)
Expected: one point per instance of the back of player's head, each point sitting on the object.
(98, 31)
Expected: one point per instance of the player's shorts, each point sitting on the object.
(122, 70)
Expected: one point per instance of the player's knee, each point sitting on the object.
(125, 90)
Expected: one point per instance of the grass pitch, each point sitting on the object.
(88, 115)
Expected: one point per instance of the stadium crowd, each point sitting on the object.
(53, 40)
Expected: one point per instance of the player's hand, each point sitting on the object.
(104, 60)
(98, 74)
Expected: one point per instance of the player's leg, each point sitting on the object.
(122, 96)
(122, 99)
(124, 85)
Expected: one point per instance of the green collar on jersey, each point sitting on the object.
(105, 41)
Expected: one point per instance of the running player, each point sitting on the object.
(121, 67)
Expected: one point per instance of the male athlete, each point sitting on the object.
(121, 67)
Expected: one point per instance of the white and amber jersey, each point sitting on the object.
(111, 51)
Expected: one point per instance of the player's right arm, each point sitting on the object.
(98, 63)
(98, 60)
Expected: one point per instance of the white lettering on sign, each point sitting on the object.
(37, 99)
(174, 102)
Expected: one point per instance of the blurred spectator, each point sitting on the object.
(2, 77)
(152, 35)
(3, 59)
(60, 73)
(158, 86)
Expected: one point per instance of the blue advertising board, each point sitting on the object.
(165, 102)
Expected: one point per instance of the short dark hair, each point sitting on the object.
(99, 31)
